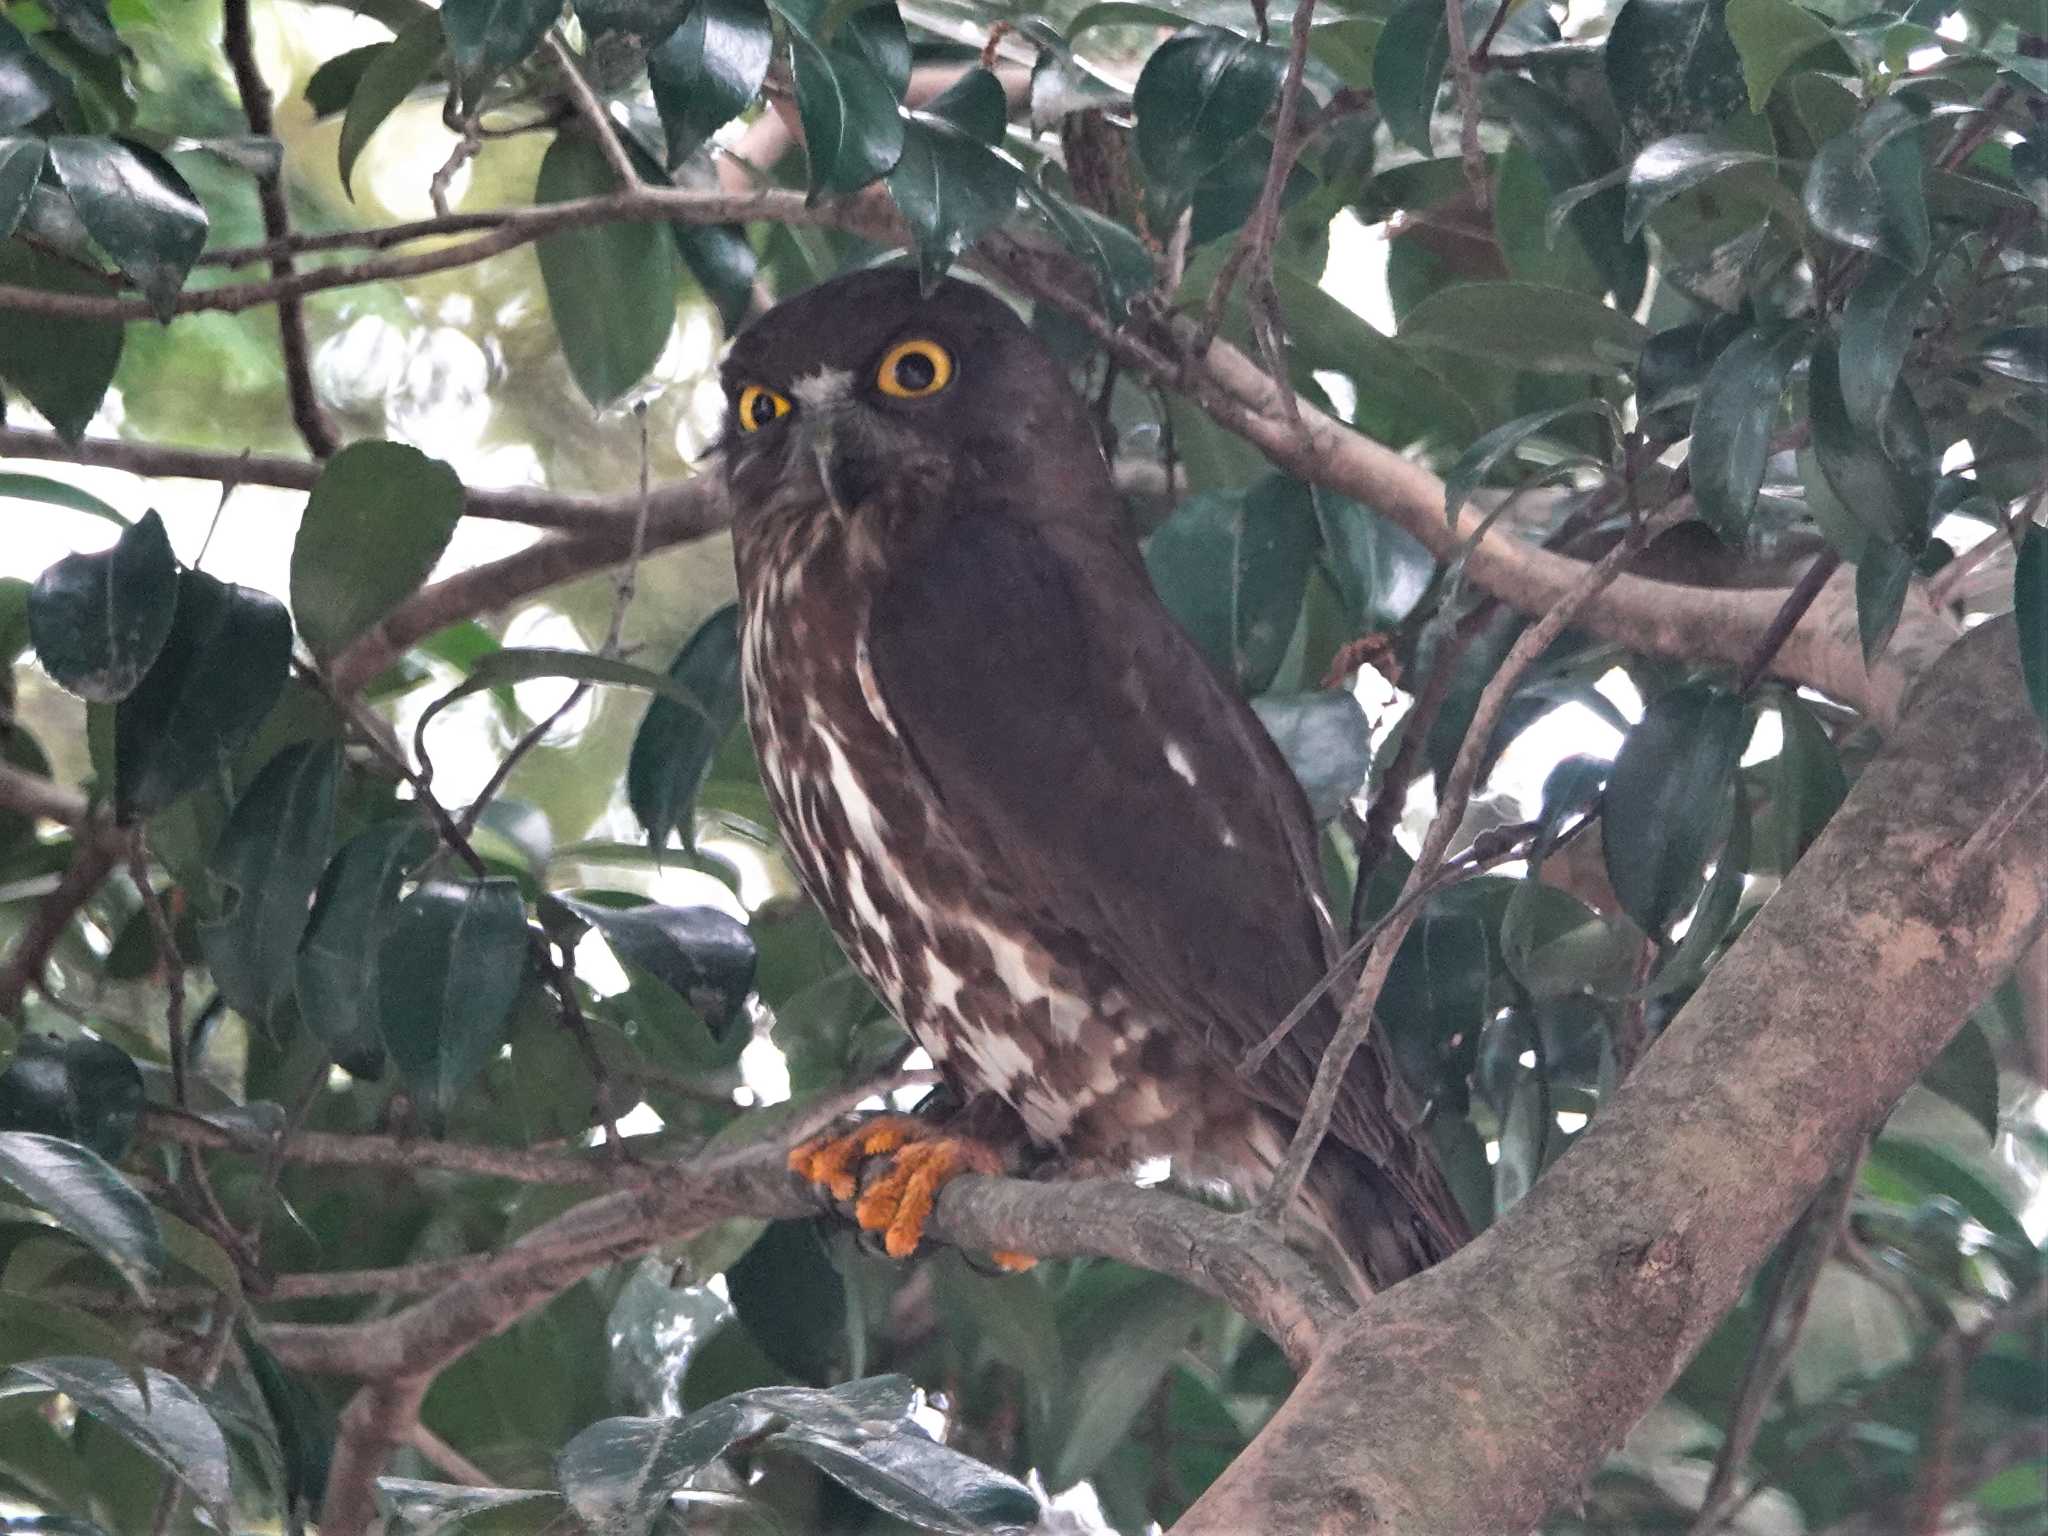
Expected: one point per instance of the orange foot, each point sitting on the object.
(899, 1202)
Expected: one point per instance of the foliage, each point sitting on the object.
(1782, 265)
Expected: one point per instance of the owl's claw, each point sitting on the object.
(898, 1202)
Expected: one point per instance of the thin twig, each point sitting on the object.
(1466, 85)
(1797, 601)
(592, 111)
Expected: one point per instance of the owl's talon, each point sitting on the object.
(897, 1202)
(832, 1161)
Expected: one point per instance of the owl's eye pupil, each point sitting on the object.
(915, 372)
(763, 411)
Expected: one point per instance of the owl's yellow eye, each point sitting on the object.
(914, 369)
(757, 407)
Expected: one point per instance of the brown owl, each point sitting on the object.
(1056, 843)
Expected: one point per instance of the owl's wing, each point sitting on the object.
(1093, 763)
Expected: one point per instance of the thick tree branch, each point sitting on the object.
(1470, 1399)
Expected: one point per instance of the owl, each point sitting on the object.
(1058, 845)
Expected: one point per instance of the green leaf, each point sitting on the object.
(706, 72)
(1770, 36)
(1526, 325)
(618, 1474)
(1198, 96)
(415, 1508)
(518, 664)
(611, 287)
(1865, 188)
(29, 86)
(950, 187)
(487, 37)
(1937, 1171)
(1672, 67)
(392, 73)
(853, 133)
(379, 516)
(192, 1248)
(1121, 1343)
(1806, 784)
(21, 164)
(448, 974)
(2030, 613)
(1966, 1074)
(170, 1426)
(276, 843)
(57, 493)
(1479, 461)
(41, 1325)
(874, 33)
(1326, 740)
(1380, 569)
(81, 1190)
(1408, 69)
(1886, 479)
(1877, 332)
(1732, 422)
(86, 22)
(1121, 13)
(976, 105)
(673, 749)
(918, 1481)
(98, 621)
(1232, 567)
(1573, 153)
(2017, 352)
(331, 86)
(63, 366)
(1667, 801)
(336, 968)
(80, 1089)
(133, 202)
(646, 21)
(791, 1299)
(305, 1426)
(1678, 164)
(216, 678)
(1121, 264)
(1882, 577)
(704, 956)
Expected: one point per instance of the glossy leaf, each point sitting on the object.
(21, 163)
(57, 493)
(1408, 70)
(517, 664)
(1882, 577)
(1966, 1074)
(1732, 423)
(852, 132)
(917, 1480)
(1493, 448)
(86, 1197)
(1877, 331)
(1120, 1344)
(2017, 352)
(1672, 67)
(1121, 264)
(220, 670)
(1937, 1171)
(1232, 568)
(305, 1426)
(611, 287)
(1667, 801)
(704, 956)
(270, 857)
(379, 517)
(417, 1508)
(1573, 153)
(1662, 170)
(1200, 94)
(1526, 325)
(1379, 568)
(99, 620)
(133, 202)
(1885, 479)
(394, 72)
(873, 32)
(706, 72)
(448, 974)
(335, 971)
(1326, 740)
(63, 366)
(1806, 784)
(1770, 36)
(86, 22)
(487, 37)
(2030, 613)
(618, 1474)
(40, 1325)
(673, 749)
(1865, 188)
(80, 1089)
(950, 187)
(29, 85)
(172, 1427)
(647, 21)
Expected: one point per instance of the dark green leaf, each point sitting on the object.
(86, 22)
(1677, 164)
(1326, 740)
(2017, 352)
(1732, 423)
(415, 1508)
(1120, 1343)
(1877, 332)
(487, 37)
(29, 86)
(1408, 69)
(1479, 461)
(1232, 567)
(1118, 258)
(448, 974)
(1574, 153)
(1380, 569)
(950, 188)
(515, 664)
(1667, 802)
(394, 72)
(331, 86)
(276, 843)
(81, 1089)
(975, 104)
(1771, 36)
(619, 1473)
(853, 133)
(1966, 1074)
(673, 749)
(336, 969)
(81, 1190)
(918, 1480)
(21, 163)
(379, 517)
(874, 33)
(1887, 479)
(611, 287)
(706, 957)
(2030, 613)
(1526, 325)
(708, 70)
(1198, 96)
(792, 1301)
(40, 1325)
(1882, 577)
(1865, 188)
(170, 1426)
(135, 204)
(57, 493)
(1672, 67)
(305, 1425)
(1937, 1171)
(63, 366)
(214, 681)
(99, 620)
(648, 21)
(1806, 783)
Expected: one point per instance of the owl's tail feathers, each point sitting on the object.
(1386, 1220)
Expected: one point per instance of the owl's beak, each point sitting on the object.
(827, 422)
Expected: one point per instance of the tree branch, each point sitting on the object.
(1578, 1308)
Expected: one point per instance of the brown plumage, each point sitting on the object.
(1061, 849)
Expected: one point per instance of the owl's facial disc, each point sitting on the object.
(852, 443)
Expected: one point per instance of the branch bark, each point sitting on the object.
(1468, 1400)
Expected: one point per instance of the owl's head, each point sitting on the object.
(864, 385)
